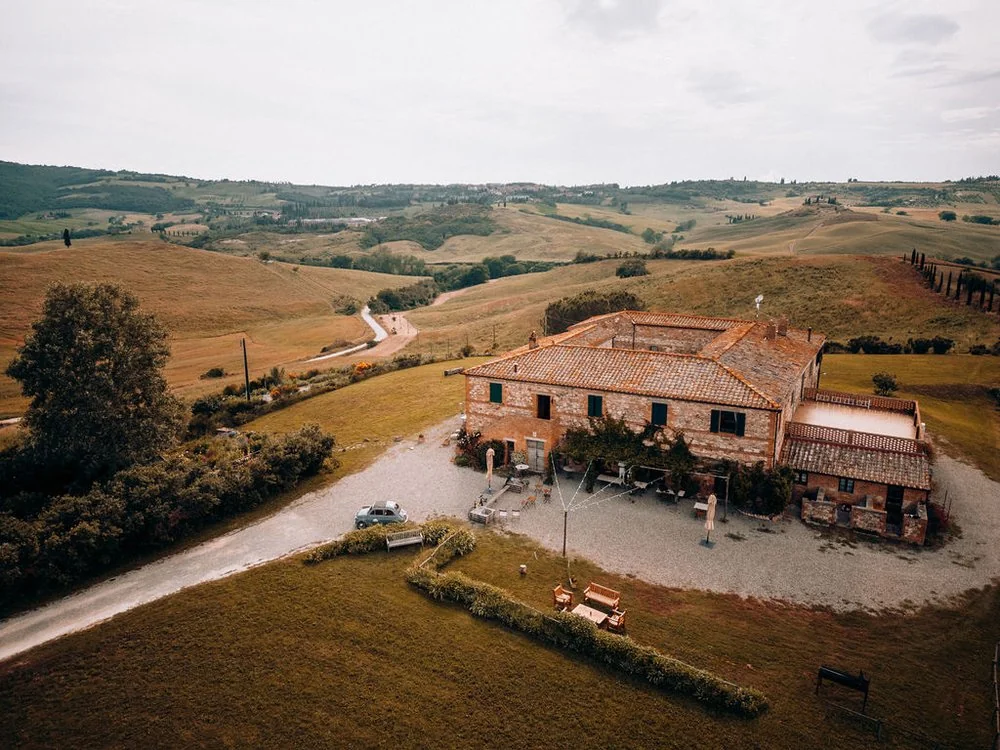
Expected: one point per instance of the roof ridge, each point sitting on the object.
(745, 382)
(746, 328)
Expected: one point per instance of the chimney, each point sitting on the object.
(515, 368)
(533, 340)
(809, 334)
(782, 326)
(770, 332)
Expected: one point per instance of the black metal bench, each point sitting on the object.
(855, 682)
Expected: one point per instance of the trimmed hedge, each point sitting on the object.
(567, 631)
(372, 539)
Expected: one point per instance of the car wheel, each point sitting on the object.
(360, 525)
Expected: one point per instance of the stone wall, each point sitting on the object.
(819, 512)
(868, 519)
(516, 418)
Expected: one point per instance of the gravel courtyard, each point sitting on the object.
(656, 542)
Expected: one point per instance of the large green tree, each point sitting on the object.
(92, 366)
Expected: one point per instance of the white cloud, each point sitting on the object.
(633, 91)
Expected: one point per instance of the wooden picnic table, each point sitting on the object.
(589, 613)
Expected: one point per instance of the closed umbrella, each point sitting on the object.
(710, 518)
(490, 453)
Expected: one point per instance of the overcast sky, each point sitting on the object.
(555, 91)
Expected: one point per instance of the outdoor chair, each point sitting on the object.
(562, 599)
(515, 515)
(616, 620)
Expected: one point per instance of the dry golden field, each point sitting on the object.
(208, 301)
(841, 296)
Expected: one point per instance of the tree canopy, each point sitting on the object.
(92, 368)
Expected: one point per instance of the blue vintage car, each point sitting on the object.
(382, 511)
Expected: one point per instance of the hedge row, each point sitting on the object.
(51, 542)
(372, 539)
(567, 631)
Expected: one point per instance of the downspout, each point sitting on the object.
(774, 445)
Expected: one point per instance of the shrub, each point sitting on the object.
(215, 372)
(632, 268)
(567, 311)
(873, 345)
(947, 215)
(48, 542)
(884, 383)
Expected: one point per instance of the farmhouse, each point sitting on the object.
(739, 390)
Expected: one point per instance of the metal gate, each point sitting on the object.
(536, 455)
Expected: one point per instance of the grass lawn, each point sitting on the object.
(951, 389)
(346, 653)
(376, 410)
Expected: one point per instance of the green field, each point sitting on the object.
(289, 655)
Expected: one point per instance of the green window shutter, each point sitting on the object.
(595, 406)
(496, 393)
(741, 423)
(715, 420)
(659, 414)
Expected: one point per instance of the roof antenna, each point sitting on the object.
(757, 300)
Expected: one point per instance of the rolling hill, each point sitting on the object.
(208, 301)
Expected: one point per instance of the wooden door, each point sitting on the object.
(536, 455)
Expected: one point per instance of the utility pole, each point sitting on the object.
(246, 369)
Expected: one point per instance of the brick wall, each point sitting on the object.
(915, 528)
(831, 484)
(516, 418)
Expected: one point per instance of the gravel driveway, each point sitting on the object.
(639, 535)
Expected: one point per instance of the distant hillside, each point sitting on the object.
(26, 188)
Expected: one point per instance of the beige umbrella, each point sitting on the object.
(710, 517)
(490, 453)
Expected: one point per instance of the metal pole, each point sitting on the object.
(565, 517)
(246, 369)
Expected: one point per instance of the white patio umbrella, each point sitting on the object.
(490, 453)
(710, 517)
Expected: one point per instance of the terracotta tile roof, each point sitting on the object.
(774, 366)
(641, 372)
(883, 467)
(739, 365)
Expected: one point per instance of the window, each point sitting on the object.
(801, 477)
(659, 416)
(846, 485)
(733, 422)
(496, 393)
(544, 407)
(595, 406)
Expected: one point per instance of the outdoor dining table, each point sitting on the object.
(594, 615)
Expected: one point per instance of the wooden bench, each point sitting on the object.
(855, 682)
(403, 538)
(602, 595)
(561, 598)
